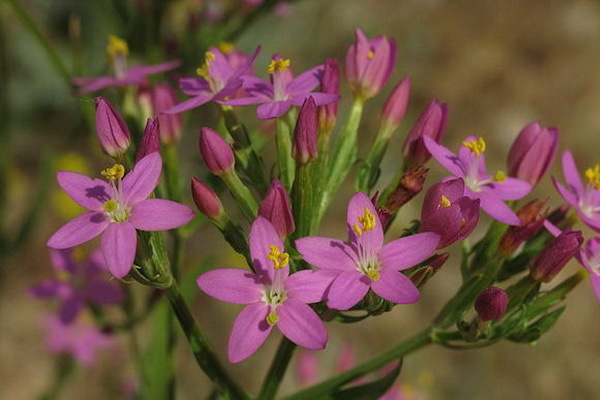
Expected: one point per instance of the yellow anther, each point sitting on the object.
(110, 206)
(116, 47)
(593, 175)
(279, 259)
(357, 230)
(279, 65)
(370, 54)
(226, 47)
(476, 146)
(500, 176)
(444, 202)
(272, 318)
(373, 275)
(209, 58)
(115, 172)
(367, 220)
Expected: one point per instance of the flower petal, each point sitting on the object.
(262, 236)
(159, 215)
(100, 292)
(571, 172)
(70, 308)
(327, 253)
(79, 230)
(509, 189)
(445, 157)
(498, 210)
(236, 286)
(194, 86)
(309, 286)
(273, 109)
(347, 289)
(249, 331)
(299, 323)
(118, 247)
(141, 181)
(87, 192)
(306, 81)
(408, 251)
(371, 240)
(49, 288)
(196, 101)
(569, 196)
(395, 287)
(595, 279)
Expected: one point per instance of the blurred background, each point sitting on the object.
(498, 65)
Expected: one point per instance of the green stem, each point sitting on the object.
(303, 200)
(64, 369)
(277, 370)
(414, 343)
(241, 194)
(172, 173)
(369, 171)
(285, 128)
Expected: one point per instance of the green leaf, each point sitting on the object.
(369, 391)
(536, 330)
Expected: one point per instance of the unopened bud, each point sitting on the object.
(556, 255)
(532, 152)
(150, 141)
(532, 219)
(410, 184)
(111, 129)
(432, 123)
(395, 106)
(304, 147)
(276, 208)
(217, 154)
(206, 199)
(491, 304)
(163, 98)
(329, 84)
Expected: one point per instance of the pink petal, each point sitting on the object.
(306, 81)
(249, 331)
(395, 287)
(118, 246)
(62, 259)
(197, 101)
(70, 308)
(510, 189)
(595, 279)
(273, 109)
(89, 85)
(194, 86)
(347, 289)
(79, 230)
(49, 288)
(103, 293)
(319, 98)
(408, 251)
(141, 71)
(327, 253)
(138, 184)
(566, 194)
(231, 285)
(445, 157)
(498, 210)
(299, 323)
(262, 236)
(372, 240)
(308, 286)
(571, 172)
(159, 215)
(87, 192)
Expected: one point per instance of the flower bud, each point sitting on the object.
(532, 219)
(532, 152)
(304, 147)
(410, 184)
(329, 84)
(555, 256)
(206, 199)
(163, 98)
(395, 106)
(276, 208)
(491, 304)
(369, 64)
(217, 154)
(423, 274)
(111, 129)
(448, 212)
(432, 123)
(150, 141)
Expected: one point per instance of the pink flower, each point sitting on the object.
(532, 152)
(589, 257)
(364, 262)
(274, 297)
(117, 209)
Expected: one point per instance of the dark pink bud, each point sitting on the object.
(423, 274)
(491, 304)
(532, 152)
(532, 219)
(150, 139)
(396, 104)
(217, 154)
(206, 199)
(276, 208)
(111, 129)
(330, 84)
(448, 212)
(556, 255)
(163, 98)
(432, 123)
(304, 147)
(369, 64)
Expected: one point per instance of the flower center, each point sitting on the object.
(476, 146)
(205, 72)
(113, 173)
(273, 296)
(272, 318)
(444, 202)
(226, 47)
(279, 259)
(116, 210)
(367, 222)
(370, 267)
(593, 176)
(371, 54)
(278, 65)
(117, 52)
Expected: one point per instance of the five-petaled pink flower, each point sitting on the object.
(274, 297)
(117, 209)
(364, 261)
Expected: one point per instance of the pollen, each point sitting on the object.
(226, 47)
(110, 206)
(593, 176)
(115, 172)
(371, 54)
(272, 318)
(500, 176)
(476, 146)
(367, 220)
(116, 47)
(209, 58)
(357, 230)
(444, 202)
(279, 259)
(374, 275)
(279, 65)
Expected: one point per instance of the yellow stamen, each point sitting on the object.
(272, 318)
(226, 47)
(357, 230)
(110, 206)
(370, 54)
(209, 58)
(63, 275)
(115, 172)
(593, 175)
(373, 275)
(500, 176)
(279, 65)
(444, 202)
(279, 259)
(476, 146)
(367, 220)
(116, 47)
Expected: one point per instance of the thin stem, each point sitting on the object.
(285, 162)
(277, 370)
(64, 370)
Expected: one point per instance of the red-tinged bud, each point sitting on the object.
(217, 154)
(559, 214)
(206, 199)
(432, 123)
(163, 98)
(532, 219)
(555, 256)
(111, 129)
(395, 106)
(304, 147)
(532, 152)
(491, 304)
(423, 274)
(410, 184)
(150, 139)
(277, 209)
(329, 84)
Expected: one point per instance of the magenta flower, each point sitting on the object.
(589, 257)
(117, 209)
(550, 261)
(274, 297)
(364, 262)
(532, 152)
(584, 199)
(283, 91)
(491, 304)
(77, 283)
(277, 208)
(111, 129)
(163, 97)
(491, 190)
(432, 123)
